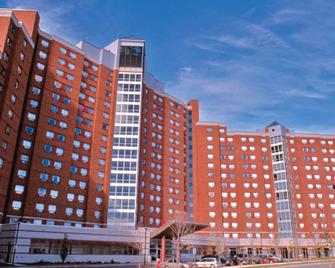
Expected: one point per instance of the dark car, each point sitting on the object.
(227, 261)
(240, 259)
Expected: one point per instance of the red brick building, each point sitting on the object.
(89, 138)
(57, 126)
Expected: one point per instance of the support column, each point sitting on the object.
(163, 249)
(178, 249)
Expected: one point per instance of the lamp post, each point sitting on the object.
(15, 243)
(145, 246)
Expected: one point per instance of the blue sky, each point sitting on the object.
(249, 62)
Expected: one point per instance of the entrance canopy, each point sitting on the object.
(166, 229)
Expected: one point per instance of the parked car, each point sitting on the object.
(206, 262)
(276, 259)
(227, 261)
(217, 257)
(252, 260)
(223, 260)
(279, 259)
(173, 263)
(240, 259)
(265, 258)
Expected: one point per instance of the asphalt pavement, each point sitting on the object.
(308, 265)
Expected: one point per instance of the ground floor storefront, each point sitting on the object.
(31, 243)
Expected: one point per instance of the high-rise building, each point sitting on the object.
(88, 138)
(58, 125)
(272, 184)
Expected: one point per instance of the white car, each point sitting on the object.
(206, 262)
(173, 263)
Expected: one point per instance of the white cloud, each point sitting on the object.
(250, 36)
(306, 94)
(224, 96)
(288, 15)
(234, 41)
(265, 37)
(51, 16)
(284, 67)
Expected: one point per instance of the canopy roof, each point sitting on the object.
(165, 230)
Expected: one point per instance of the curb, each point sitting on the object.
(288, 263)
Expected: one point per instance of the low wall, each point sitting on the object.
(35, 258)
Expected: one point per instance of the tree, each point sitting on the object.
(181, 226)
(328, 238)
(64, 250)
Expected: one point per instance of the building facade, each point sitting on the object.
(90, 139)
(270, 188)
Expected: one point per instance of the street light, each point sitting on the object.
(145, 246)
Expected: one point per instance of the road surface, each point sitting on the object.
(310, 265)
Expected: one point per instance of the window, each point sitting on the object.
(42, 55)
(41, 192)
(71, 66)
(57, 84)
(82, 185)
(10, 114)
(70, 196)
(22, 173)
(19, 189)
(47, 148)
(13, 98)
(16, 205)
(72, 183)
(50, 135)
(40, 66)
(98, 200)
(44, 177)
(61, 138)
(74, 169)
(39, 207)
(33, 103)
(97, 214)
(59, 72)
(31, 116)
(24, 158)
(63, 125)
(69, 211)
(53, 108)
(44, 43)
(83, 171)
(53, 194)
(59, 151)
(81, 198)
(52, 122)
(80, 212)
(61, 61)
(72, 55)
(99, 187)
(65, 113)
(55, 179)
(46, 162)
(52, 209)
(63, 50)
